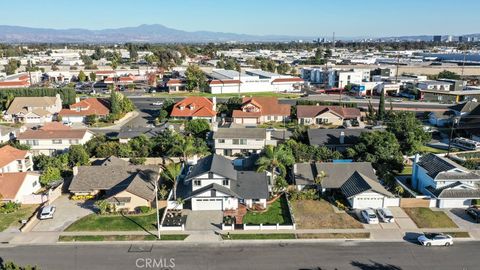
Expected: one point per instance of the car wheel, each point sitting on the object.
(428, 244)
(447, 244)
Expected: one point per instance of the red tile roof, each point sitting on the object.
(293, 79)
(104, 72)
(89, 106)
(175, 82)
(312, 111)
(14, 83)
(9, 154)
(202, 107)
(10, 184)
(267, 105)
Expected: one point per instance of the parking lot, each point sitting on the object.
(67, 212)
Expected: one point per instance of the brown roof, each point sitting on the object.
(267, 105)
(293, 79)
(10, 183)
(9, 154)
(224, 82)
(88, 106)
(20, 103)
(14, 83)
(54, 130)
(312, 111)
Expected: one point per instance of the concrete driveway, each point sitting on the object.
(402, 220)
(68, 211)
(462, 219)
(203, 220)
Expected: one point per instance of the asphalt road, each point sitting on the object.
(278, 256)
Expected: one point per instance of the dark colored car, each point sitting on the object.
(474, 212)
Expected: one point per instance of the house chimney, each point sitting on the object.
(342, 137)
(214, 101)
(75, 170)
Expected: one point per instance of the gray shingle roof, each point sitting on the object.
(240, 133)
(454, 191)
(336, 173)
(358, 183)
(251, 185)
(332, 136)
(138, 180)
(465, 107)
(215, 164)
(213, 186)
(434, 165)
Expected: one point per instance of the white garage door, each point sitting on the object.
(207, 204)
(368, 202)
(459, 203)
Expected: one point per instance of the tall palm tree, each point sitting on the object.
(184, 148)
(171, 172)
(275, 158)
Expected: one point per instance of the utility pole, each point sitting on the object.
(156, 205)
(463, 65)
(454, 121)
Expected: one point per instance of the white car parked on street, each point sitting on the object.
(435, 239)
(369, 216)
(385, 215)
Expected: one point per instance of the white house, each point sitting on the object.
(214, 184)
(232, 141)
(450, 183)
(53, 138)
(356, 181)
(14, 186)
(15, 160)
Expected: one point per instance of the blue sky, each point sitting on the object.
(350, 18)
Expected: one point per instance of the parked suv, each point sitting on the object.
(47, 212)
(385, 215)
(370, 216)
(474, 212)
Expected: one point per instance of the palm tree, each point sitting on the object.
(184, 148)
(319, 178)
(275, 158)
(171, 172)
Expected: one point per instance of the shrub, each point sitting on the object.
(143, 209)
(138, 160)
(9, 207)
(309, 194)
(340, 205)
(228, 220)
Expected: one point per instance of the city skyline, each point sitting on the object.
(318, 19)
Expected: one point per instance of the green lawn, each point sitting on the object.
(426, 218)
(428, 149)
(333, 235)
(259, 236)
(407, 170)
(90, 238)
(13, 219)
(277, 212)
(203, 94)
(96, 222)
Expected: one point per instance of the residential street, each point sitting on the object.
(325, 256)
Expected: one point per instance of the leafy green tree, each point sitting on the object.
(91, 119)
(381, 148)
(92, 76)
(78, 156)
(183, 148)
(381, 106)
(446, 74)
(408, 130)
(195, 78)
(81, 76)
(13, 266)
(171, 172)
(11, 66)
(102, 206)
(49, 175)
(141, 146)
(275, 158)
(107, 149)
(197, 127)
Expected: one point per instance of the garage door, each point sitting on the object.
(207, 204)
(445, 203)
(362, 203)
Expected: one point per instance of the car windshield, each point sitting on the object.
(372, 216)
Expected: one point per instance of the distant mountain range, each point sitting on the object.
(153, 33)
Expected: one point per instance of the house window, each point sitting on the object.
(32, 142)
(34, 184)
(197, 183)
(56, 141)
(221, 140)
(73, 141)
(210, 175)
(239, 141)
(225, 182)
